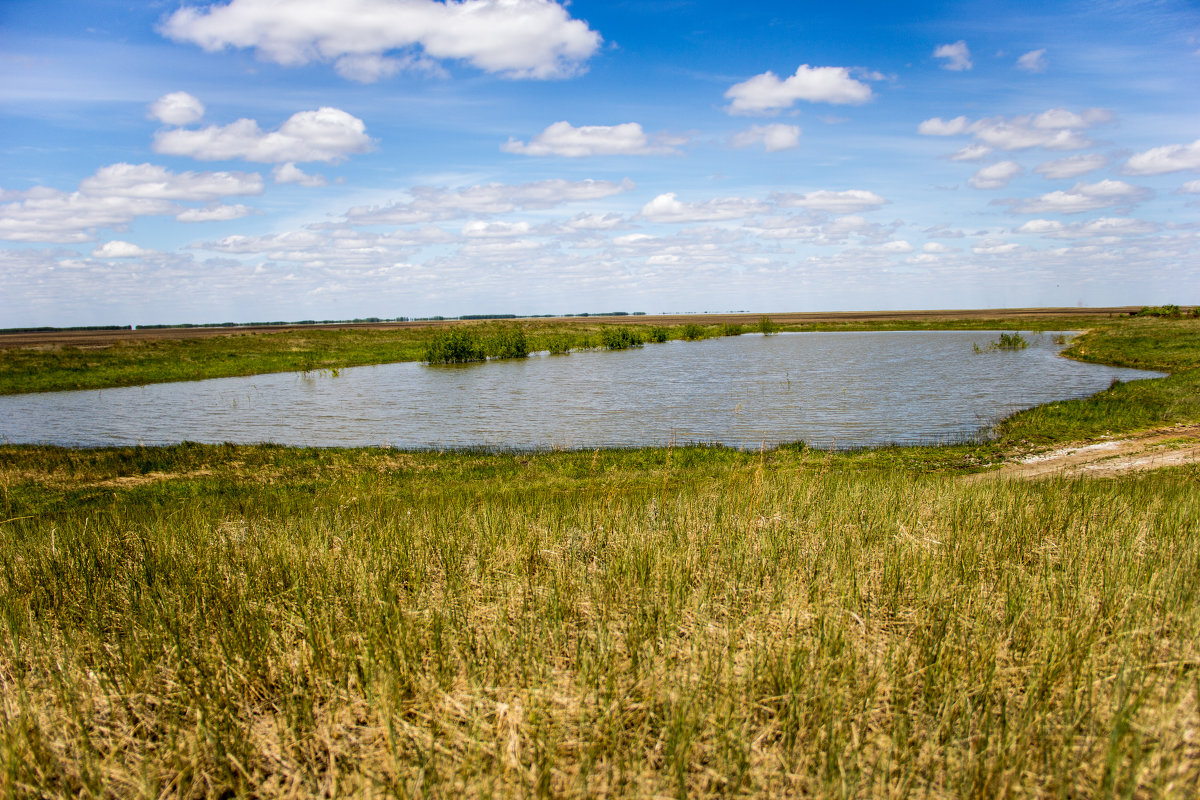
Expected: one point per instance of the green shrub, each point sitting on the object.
(732, 329)
(692, 332)
(620, 338)
(767, 326)
(507, 341)
(657, 333)
(1169, 311)
(454, 345)
(558, 344)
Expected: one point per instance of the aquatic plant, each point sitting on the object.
(732, 329)
(506, 341)
(620, 338)
(454, 345)
(767, 326)
(691, 332)
(658, 334)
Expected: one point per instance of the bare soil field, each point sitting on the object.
(101, 338)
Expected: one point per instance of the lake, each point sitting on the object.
(828, 389)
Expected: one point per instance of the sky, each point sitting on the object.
(257, 160)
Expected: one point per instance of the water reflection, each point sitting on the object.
(828, 389)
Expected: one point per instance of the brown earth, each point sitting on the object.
(1162, 447)
(60, 338)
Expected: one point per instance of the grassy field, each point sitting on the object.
(221, 621)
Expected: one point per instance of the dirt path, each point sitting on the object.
(1162, 447)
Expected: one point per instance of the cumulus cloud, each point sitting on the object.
(1033, 61)
(846, 202)
(1055, 129)
(956, 57)
(666, 208)
(119, 249)
(1191, 187)
(772, 137)
(112, 198)
(514, 38)
(767, 94)
(431, 203)
(290, 173)
(1161, 160)
(564, 139)
(149, 181)
(936, 247)
(177, 108)
(1071, 167)
(1102, 227)
(219, 213)
(995, 176)
(479, 229)
(994, 247)
(327, 134)
(1083, 197)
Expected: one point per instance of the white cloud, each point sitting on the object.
(944, 127)
(1083, 197)
(894, 247)
(564, 139)
(936, 247)
(1072, 166)
(150, 181)
(666, 208)
(119, 249)
(1041, 226)
(1033, 61)
(767, 94)
(290, 173)
(995, 176)
(773, 137)
(972, 152)
(994, 247)
(1055, 129)
(479, 229)
(177, 108)
(834, 202)
(957, 56)
(1191, 187)
(431, 203)
(515, 38)
(1160, 160)
(112, 198)
(594, 222)
(219, 213)
(327, 134)
(1107, 227)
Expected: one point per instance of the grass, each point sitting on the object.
(257, 621)
(254, 621)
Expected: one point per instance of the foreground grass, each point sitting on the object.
(257, 621)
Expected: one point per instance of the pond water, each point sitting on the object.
(827, 389)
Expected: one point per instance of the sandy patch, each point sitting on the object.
(1163, 447)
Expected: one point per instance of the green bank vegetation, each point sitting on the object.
(39, 369)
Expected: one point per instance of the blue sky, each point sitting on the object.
(261, 160)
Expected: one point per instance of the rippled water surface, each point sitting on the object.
(828, 389)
